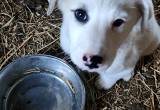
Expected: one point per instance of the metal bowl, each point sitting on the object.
(41, 83)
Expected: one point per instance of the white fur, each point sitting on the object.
(121, 47)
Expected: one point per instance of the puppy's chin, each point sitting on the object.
(97, 70)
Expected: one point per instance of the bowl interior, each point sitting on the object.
(40, 92)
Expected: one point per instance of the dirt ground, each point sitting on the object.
(25, 29)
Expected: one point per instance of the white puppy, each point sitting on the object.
(107, 36)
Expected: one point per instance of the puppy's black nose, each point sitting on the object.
(92, 61)
(96, 59)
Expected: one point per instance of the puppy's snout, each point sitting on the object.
(92, 61)
(96, 59)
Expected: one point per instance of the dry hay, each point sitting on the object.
(25, 29)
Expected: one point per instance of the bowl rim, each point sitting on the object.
(65, 63)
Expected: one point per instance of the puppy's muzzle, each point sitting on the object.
(92, 62)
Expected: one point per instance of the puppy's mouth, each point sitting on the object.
(92, 65)
(95, 67)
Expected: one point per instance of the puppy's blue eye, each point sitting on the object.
(118, 22)
(81, 15)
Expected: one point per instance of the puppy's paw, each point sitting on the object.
(103, 83)
(127, 77)
(98, 84)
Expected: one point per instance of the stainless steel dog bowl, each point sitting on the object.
(40, 83)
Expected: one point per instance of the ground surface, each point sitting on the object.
(25, 29)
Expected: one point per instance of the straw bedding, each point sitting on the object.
(25, 29)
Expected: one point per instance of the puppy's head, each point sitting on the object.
(93, 30)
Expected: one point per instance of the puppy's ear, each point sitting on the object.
(51, 6)
(147, 11)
